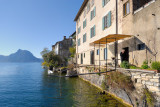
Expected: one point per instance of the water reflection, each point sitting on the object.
(68, 92)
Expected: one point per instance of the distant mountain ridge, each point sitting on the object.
(20, 56)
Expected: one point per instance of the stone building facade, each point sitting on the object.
(97, 19)
(61, 48)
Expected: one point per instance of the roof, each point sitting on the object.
(111, 38)
(81, 9)
(73, 34)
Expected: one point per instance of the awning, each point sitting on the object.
(111, 38)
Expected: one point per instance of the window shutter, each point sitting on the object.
(109, 19)
(91, 16)
(103, 20)
(86, 22)
(94, 11)
(91, 32)
(103, 3)
(94, 30)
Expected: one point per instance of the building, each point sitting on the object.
(61, 48)
(133, 22)
(142, 21)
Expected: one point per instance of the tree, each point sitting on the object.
(45, 51)
(50, 59)
(72, 50)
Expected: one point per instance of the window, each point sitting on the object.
(79, 42)
(141, 46)
(93, 31)
(78, 56)
(106, 21)
(104, 2)
(84, 38)
(139, 3)
(92, 2)
(97, 51)
(79, 30)
(84, 55)
(105, 53)
(126, 8)
(93, 13)
(84, 12)
(88, 7)
(84, 24)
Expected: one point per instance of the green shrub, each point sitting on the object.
(125, 65)
(133, 67)
(155, 65)
(145, 65)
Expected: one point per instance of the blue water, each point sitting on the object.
(27, 85)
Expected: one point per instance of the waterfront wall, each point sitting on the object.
(141, 79)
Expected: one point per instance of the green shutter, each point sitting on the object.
(109, 19)
(86, 22)
(91, 33)
(91, 16)
(94, 11)
(103, 19)
(85, 37)
(103, 3)
(94, 30)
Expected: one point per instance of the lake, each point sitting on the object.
(27, 85)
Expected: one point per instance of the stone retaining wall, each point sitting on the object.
(140, 78)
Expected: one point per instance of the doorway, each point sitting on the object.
(126, 53)
(92, 57)
(81, 58)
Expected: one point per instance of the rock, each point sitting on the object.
(71, 73)
(154, 80)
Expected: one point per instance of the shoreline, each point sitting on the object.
(111, 94)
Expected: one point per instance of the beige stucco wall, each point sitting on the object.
(143, 25)
(97, 20)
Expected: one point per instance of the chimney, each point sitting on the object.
(64, 37)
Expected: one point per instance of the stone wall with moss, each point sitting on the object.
(141, 80)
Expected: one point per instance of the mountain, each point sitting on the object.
(20, 56)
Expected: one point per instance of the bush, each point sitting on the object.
(133, 67)
(145, 65)
(155, 65)
(125, 64)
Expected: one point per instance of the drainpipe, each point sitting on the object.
(116, 43)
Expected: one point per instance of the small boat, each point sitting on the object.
(50, 72)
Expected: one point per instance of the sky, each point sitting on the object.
(35, 24)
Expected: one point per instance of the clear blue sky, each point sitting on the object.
(35, 24)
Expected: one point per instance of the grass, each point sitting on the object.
(119, 80)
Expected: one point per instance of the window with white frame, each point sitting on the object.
(106, 21)
(126, 8)
(104, 2)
